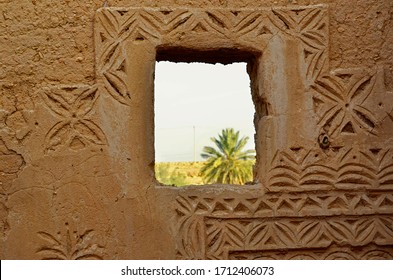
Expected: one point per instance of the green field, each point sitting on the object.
(179, 173)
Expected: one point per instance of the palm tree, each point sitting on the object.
(228, 164)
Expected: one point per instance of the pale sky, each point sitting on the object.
(209, 97)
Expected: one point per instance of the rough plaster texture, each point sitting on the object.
(76, 130)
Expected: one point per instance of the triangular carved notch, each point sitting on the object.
(348, 128)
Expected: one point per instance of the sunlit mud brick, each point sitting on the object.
(77, 177)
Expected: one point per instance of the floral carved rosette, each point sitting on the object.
(75, 129)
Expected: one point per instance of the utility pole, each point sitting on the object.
(194, 144)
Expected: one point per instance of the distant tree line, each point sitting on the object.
(226, 163)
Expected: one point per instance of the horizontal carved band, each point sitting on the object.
(286, 205)
(252, 223)
(370, 252)
(214, 238)
(343, 168)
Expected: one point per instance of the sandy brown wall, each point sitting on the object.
(96, 199)
(51, 41)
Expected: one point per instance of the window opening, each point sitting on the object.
(195, 102)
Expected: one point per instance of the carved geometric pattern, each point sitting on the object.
(250, 28)
(210, 227)
(311, 27)
(370, 252)
(68, 245)
(287, 205)
(342, 100)
(343, 168)
(354, 202)
(247, 234)
(75, 129)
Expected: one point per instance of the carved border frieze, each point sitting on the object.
(284, 233)
(370, 252)
(286, 205)
(239, 28)
(300, 169)
(212, 227)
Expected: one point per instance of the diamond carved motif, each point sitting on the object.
(343, 101)
(72, 104)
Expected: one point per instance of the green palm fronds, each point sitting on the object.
(228, 163)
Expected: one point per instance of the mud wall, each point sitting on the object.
(77, 143)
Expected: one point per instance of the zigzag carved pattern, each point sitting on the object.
(294, 204)
(243, 27)
(346, 168)
(192, 212)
